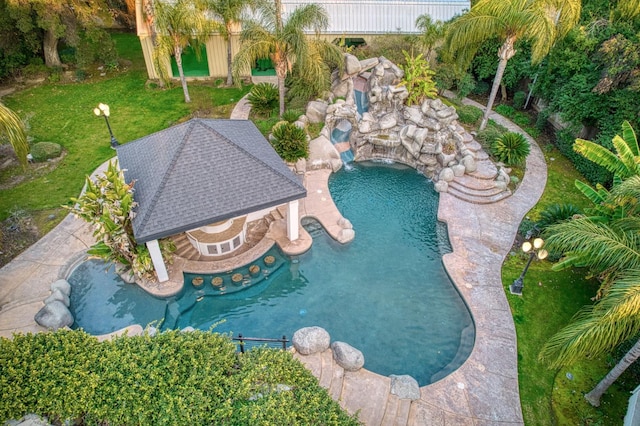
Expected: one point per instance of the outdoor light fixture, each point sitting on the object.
(534, 250)
(103, 109)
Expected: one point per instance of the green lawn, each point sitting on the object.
(549, 301)
(63, 113)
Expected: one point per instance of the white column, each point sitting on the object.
(292, 220)
(158, 261)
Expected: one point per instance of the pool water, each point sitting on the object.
(386, 293)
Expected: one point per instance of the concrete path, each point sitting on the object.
(483, 391)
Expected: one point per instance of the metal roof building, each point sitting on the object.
(363, 17)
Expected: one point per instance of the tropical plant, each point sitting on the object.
(468, 114)
(263, 97)
(289, 141)
(177, 25)
(540, 21)
(291, 115)
(229, 12)
(286, 44)
(12, 130)
(107, 204)
(511, 148)
(430, 33)
(418, 79)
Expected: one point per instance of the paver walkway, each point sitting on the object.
(483, 391)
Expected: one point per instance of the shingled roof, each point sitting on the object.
(203, 171)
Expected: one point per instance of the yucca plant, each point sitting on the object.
(511, 148)
(291, 115)
(263, 97)
(289, 141)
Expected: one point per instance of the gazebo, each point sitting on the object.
(202, 176)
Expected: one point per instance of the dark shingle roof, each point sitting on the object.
(203, 171)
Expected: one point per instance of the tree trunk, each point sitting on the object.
(630, 357)
(281, 72)
(50, 48)
(229, 70)
(505, 53)
(183, 80)
(503, 92)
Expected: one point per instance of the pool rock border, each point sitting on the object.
(56, 314)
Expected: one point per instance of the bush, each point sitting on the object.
(492, 132)
(518, 99)
(505, 110)
(481, 88)
(43, 151)
(591, 171)
(468, 114)
(289, 141)
(465, 85)
(556, 213)
(263, 98)
(172, 378)
(291, 115)
(511, 148)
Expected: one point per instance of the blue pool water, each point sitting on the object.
(385, 293)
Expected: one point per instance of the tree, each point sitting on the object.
(540, 21)
(287, 45)
(12, 130)
(431, 33)
(610, 246)
(177, 25)
(58, 19)
(229, 12)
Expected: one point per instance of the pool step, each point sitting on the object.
(396, 412)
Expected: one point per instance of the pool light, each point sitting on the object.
(534, 250)
(103, 110)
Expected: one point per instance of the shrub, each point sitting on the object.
(481, 88)
(556, 213)
(505, 110)
(418, 79)
(511, 148)
(518, 99)
(289, 141)
(291, 115)
(468, 114)
(465, 85)
(487, 136)
(43, 151)
(263, 98)
(591, 171)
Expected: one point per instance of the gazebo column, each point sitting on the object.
(293, 220)
(158, 261)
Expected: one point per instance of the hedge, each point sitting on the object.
(170, 378)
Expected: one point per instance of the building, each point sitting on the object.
(356, 20)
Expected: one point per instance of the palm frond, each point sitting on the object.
(12, 129)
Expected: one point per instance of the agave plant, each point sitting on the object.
(289, 141)
(511, 148)
(263, 97)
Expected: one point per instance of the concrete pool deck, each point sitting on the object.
(483, 391)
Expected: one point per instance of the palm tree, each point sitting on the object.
(180, 24)
(229, 12)
(539, 21)
(12, 130)
(431, 33)
(286, 43)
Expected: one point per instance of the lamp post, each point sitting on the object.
(103, 109)
(534, 250)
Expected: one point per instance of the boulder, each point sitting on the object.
(469, 163)
(61, 285)
(346, 235)
(441, 186)
(388, 121)
(54, 315)
(30, 420)
(340, 89)
(347, 356)
(458, 170)
(367, 64)
(345, 223)
(301, 166)
(323, 155)
(446, 175)
(351, 64)
(310, 340)
(58, 295)
(405, 387)
(316, 111)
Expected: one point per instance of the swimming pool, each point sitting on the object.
(385, 293)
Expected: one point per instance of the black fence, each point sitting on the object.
(250, 342)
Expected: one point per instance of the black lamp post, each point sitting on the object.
(534, 250)
(103, 109)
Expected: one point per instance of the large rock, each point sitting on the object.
(351, 64)
(346, 235)
(310, 340)
(58, 295)
(405, 387)
(54, 315)
(316, 111)
(347, 356)
(61, 285)
(323, 155)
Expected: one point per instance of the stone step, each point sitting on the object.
(474, 199)
(486, 170)
(396, 412)
(472, 182)
(275, 213)
(473, 145)
(476, 192)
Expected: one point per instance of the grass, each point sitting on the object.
(549, 301)
(63, 113)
